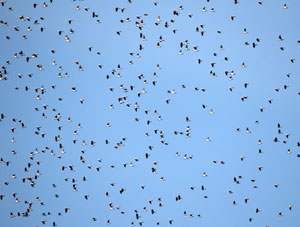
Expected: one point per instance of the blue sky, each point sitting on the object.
(180, 162)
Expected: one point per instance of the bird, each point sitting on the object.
(87, 113)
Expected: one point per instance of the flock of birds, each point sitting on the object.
(59, 158)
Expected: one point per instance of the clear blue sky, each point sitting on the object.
(234, 100)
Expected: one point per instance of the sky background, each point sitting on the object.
(266, 69)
